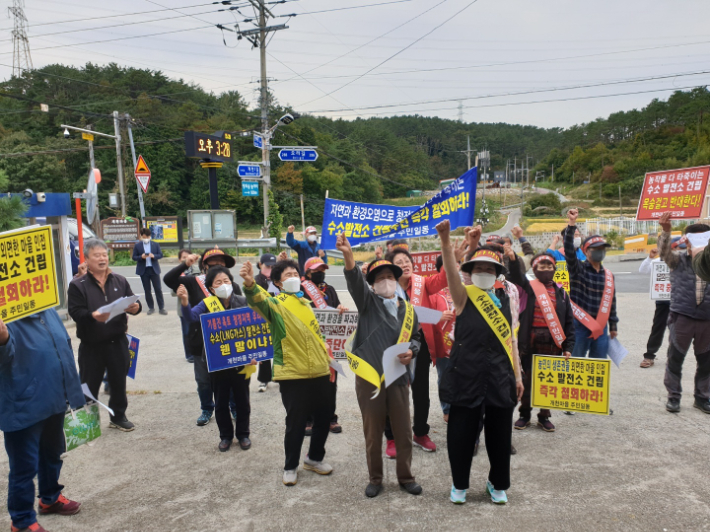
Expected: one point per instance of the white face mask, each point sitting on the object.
(385, 288)
(223, 291)
(577, 242)
(312, 238)
(291, 285)
(484, 281)
(146, 240)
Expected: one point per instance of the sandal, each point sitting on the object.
(647, 362)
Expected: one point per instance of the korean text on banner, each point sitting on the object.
(364, 223)
(234, 338)
(28, 278)
(133, 345)
(577, 384)
(660, 281)
(561, 276)
(680, 192)
(425, 263)
(336, 328)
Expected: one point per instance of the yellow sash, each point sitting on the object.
(494, 317)
(304, 312)
(213, 304)
(364, 370)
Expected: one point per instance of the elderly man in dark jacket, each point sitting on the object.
(37, 380)
(104, 346)
(689, 320)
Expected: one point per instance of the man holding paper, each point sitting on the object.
(386, 322)
(689, 319)
(104, 346)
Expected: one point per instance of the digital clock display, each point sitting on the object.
(208, 147)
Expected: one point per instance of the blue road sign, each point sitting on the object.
(298, 155)
(258, 141)
(249, 170)
(250, 188)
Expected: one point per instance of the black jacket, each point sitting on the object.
(85, 296)
(563, 306)
(173, 279)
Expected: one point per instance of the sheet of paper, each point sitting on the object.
(118, 307)
(698, 240)
(393, 369)
(428, 315)
(617, 352)
(337, 366)
(87, 393)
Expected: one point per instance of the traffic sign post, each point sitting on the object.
(142, 174)
(298, 154)
(249, 170)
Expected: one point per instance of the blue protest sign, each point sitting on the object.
(258, 141)
(234, 338)
(249, 170)
(133, 344)
(362, 222)
(250, 188)
(307, 155)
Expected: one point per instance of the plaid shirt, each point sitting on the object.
(586, 284)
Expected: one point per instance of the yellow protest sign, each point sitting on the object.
(636, 243)
(561, 274)
(28, 278)
(577, 384)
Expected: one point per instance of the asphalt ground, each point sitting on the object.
(640, 469)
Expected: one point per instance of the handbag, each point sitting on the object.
(82, 426)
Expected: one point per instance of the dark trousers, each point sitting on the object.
(264, 373)
(226, 384)
(204, 383)
(420, 395)
(541, 343)
(302, 398)
(333, 397)
(461, 434)
(185, 326)
(111, 358)
(34, 451)
(658, 329)
(683, 332)
(148, 278)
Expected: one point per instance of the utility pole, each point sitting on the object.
(468, 151)
(621, 213)
(21, 59)
(133, 155)
(119, 162)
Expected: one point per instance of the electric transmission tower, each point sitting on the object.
(21, 59)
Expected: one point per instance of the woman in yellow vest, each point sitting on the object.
(483, 372)
(219, 282)
(301, 364)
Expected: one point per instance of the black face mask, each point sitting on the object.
(318, 277)
(544, 277)
(597, 255)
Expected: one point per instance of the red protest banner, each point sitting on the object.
(680, 192)
(425, 262)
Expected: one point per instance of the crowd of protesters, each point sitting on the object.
(484, 371)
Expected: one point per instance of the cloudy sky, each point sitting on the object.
(540, 62)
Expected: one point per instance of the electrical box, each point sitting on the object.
(209, 225)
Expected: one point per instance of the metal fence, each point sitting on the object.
(625, 226)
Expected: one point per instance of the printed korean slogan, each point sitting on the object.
(362, 222)
(680, 192)
(562, 275)
(577, 384)
(660, 281)
(425, 263)
(336, 328)
(133, 344)
(234, 338)
(28, 278)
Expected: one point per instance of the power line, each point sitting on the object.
(108, 147)
(343, 8)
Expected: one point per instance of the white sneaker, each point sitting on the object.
(262, 386)
(290, 477)
(322, 468)
(497, 496)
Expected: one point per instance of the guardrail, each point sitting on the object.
(241, 243)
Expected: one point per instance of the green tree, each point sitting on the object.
(275, 221)
(12, 209)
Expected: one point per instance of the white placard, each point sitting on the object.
(660, 281)
(336, 328)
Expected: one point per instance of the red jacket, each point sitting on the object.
(432, 332)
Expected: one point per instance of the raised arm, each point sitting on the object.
(291, 240)
(257, 298)
(174, 277)
(670, 257)
(517, 276)
(458, 292)
(568, 242)
(357, 286)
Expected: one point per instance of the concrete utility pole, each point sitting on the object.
(119, 162)
(265, 155)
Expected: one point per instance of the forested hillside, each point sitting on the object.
(363, 160)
